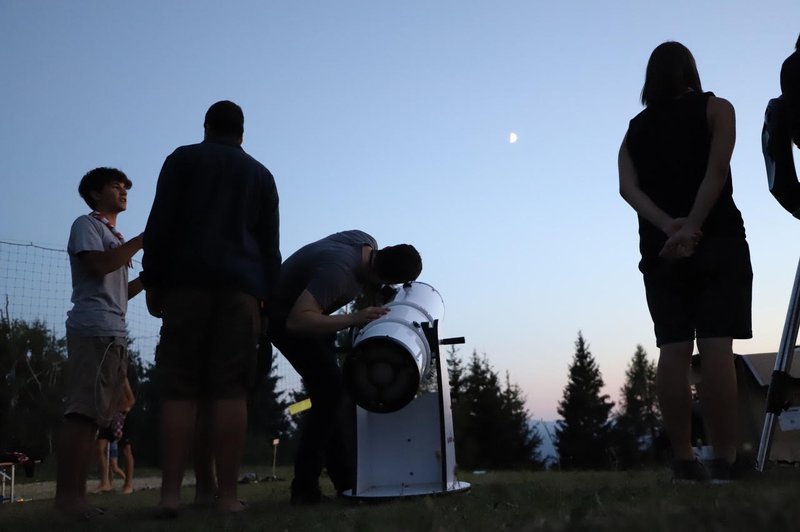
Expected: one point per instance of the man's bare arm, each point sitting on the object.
(101, 263)
(134, 287)
(308, 317)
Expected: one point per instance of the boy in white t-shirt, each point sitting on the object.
(96, 332)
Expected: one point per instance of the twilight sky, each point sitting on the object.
(395, 118)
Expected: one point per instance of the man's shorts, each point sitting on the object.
(208, 343)
(707, 295)
(96, 370)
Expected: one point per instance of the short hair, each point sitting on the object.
(96, 179)
(397, 264)
(797, 44)
(225, 118)
(670, 71)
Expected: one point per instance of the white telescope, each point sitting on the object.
(405, 443)
(392, 354)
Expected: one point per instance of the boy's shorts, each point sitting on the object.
(707, 295)
(96, 370)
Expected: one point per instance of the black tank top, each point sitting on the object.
(669, 143)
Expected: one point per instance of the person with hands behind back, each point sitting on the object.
(674, 170)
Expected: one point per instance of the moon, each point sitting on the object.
(512, 138)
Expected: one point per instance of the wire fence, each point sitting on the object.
(36, 284)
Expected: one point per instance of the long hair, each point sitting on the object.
(670, 71)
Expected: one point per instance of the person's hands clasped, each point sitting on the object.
(366, 315)
(682, 240)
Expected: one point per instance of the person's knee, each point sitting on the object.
(719, 346)
(676, 355)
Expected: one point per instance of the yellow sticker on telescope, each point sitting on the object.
(300, 406)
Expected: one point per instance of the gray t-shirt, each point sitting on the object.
(99, 304)
(329, 269)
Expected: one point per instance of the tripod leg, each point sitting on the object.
(783, 364)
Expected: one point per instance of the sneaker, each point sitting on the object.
(688, 472)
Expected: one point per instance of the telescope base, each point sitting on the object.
(414, 490)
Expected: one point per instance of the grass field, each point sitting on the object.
(514, 501)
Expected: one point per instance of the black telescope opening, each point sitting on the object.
(381, 375)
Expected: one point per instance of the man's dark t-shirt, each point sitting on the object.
(330, 269)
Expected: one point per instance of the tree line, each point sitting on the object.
(493, 428)
(590, 436)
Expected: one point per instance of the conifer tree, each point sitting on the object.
(582, 435)
(455, 373)
(266, 407)
(638, 420)
(522, 441)
(491, 423)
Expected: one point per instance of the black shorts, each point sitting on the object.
(106, 433)
(707, 295)
(125, 439)
(208, 343)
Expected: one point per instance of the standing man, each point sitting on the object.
(211, 258)
(315, 282)
(99, 258)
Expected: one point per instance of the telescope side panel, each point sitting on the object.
(399, 450)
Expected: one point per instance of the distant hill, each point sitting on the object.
(547, 430)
